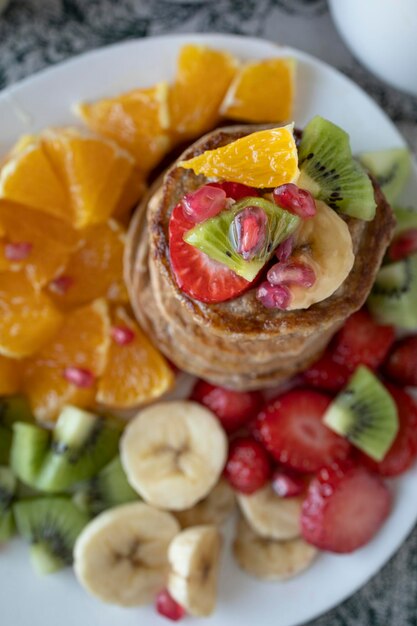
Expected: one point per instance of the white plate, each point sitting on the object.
(46, 100)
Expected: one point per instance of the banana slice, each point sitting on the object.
(269, 559)
(324, 243)
(173, 453)
(121, 557)
(194, 557)
(214, 509)
(270, 516)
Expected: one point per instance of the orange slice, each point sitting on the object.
(137, 120)
(28, 319)
(267, 158)
(132, 193)
(95, 269)
(136, 372)
(262, 92)
(95, 171)
(202, 79)
(81, 344)
(9, 376)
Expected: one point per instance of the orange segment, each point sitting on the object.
(267, 158)
(262, 92)
(95, 269)
(203, 76)
(95, 171)
(137, 121)
(28, 319)
(132, 193)
(9, 376)
(136, 372)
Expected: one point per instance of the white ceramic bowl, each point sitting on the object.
(382, 34)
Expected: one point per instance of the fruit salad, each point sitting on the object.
(268, 264)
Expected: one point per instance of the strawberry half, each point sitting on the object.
(345, 507)
(327, 374)
(401, 365)
(195, 273)
(291, 429)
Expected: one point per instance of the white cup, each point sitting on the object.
(382, 34)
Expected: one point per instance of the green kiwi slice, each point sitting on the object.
(12, 409)
(365, 413)
(391, 168)
(406, 219)
(331, 174)
(393, 299)
(214, 236)
(53, 461)
(51, 525)
(5, 444)
(106, 490)
(8, 486)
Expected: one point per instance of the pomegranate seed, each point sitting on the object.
(273, 296)
(403, 245)
(295, 200)
(284, 250)
(168, 607)
(291, 273)
(122, 335)
(204, 203)
(61, 284)
(248, 231)
(18, 251)
(79, 377)
(287, 484)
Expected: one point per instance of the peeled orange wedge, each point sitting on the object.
(267, 158)
(9, 376)
(133, 191)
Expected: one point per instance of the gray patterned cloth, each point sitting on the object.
(37, 33)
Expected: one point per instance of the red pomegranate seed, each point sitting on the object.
(403, 245)
(273, 296)
(284, 250)
(249, 229)
(204, 203)
(79, 377)
(17, 251)
(294, 199)
(168, 607)
(287, 484)
(292, 273)
(61, 284)
(123, 335)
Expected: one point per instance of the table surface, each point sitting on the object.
(38, 33)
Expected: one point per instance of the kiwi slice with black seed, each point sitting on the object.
(391, 168)
(53, 461)
(215, 236)
(12, 409)
(406, 219)
(393, 299)
(106, 490)
(51, 525)
(365, 413)
(8, 486)
(329, 171)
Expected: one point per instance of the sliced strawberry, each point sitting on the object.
(345, 507)
(247, 468)
(196, 274)
(288, 484)
(327, 374)
(401, 365)
(363, 341)
(233, 408)
(403, 452)
(236, 191)
(291, 429)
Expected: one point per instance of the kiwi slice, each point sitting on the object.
(393, 299)
(53, 461)
(8, 486)
(5, 444)
(12, 409)
(331, 174)
(51, 525)
(106, 490)
(391, 168)
(365, 413)
(406, 219)
(215, 236)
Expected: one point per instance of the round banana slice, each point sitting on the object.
(271, 516)
(121, 557)
(173, 453)
(214, 509)
(194, 557)
(270, 559)
(324, 243)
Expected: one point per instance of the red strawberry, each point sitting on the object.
(247, 468)
(401, 365)
(291, 429)
(327, 374)
(403, 245)
(403, 452)
(345, 507)
(236, 191)
(233, 408)
(363, 341)
(196, 274)
(287, 484)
